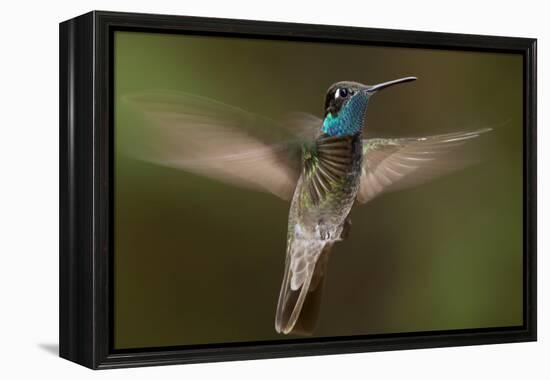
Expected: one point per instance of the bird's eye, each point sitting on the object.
(343, 92)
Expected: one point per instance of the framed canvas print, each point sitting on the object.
(237, 189)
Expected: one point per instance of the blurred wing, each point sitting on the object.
(326, 165)
(395, 164)
(304, 125)
(216, 140)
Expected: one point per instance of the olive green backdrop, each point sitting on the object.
(197, 261)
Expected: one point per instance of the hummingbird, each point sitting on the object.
(323, 166)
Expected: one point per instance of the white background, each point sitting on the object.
(29, 187)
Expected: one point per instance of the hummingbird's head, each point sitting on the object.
(346, 105)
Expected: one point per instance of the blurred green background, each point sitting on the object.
(197, 261)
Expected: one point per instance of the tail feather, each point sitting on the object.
(298, 308)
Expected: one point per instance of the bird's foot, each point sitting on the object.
(324, 232)
(346, 228)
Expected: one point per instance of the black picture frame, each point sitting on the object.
(86, 196)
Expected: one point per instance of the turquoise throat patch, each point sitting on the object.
(350, 118)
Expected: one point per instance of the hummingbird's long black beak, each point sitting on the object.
(380, 86)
